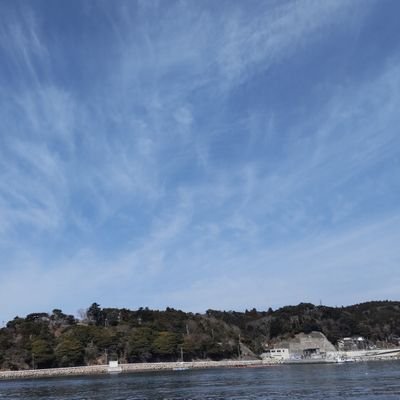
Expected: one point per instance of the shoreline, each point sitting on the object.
(125, 368)
(165, 366)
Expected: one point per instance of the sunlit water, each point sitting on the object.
(378, 380)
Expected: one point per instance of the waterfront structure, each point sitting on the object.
(314, 347)
(352, 343)
(302, 346)
(277, 354)
(114, 368)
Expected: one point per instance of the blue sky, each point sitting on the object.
(198, 154)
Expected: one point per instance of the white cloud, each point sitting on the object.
(337, 268)
(275, 35)
(143, 153)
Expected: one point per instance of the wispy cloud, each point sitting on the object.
(252, 45)
(26, 55)
(168, 163)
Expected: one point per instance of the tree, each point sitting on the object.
(195, 345)
(165, 345)
(42, 354)
(140, 345)
(69, 352)
(95, 314)
(57, 315)
(91, 353)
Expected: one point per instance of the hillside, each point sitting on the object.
(43, 340)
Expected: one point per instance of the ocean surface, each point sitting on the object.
(376, 380)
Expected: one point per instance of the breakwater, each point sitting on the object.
(135, 367)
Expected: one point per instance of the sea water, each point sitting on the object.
(374, 380)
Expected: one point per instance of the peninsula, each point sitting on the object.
(145, 339)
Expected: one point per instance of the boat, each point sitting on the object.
(181, 365)
(341, 360)
(180, 368)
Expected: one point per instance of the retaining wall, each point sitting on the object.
(136, 367)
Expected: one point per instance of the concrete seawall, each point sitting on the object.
(136, 367)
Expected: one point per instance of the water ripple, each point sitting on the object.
(367, 381)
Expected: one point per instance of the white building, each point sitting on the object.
(113, 367)
(277, 354)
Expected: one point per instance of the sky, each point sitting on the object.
(198, 154)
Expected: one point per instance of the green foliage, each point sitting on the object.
(195, 345)
(165, 345)
(95, 314)
(42, 354)
(5, 344)
(69, 352)
(43, 340)
(91, 353)
(140, 345)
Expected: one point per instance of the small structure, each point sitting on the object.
(313, 353)
(277, 354)
(114, 368)
(306, 344)
(352, 344)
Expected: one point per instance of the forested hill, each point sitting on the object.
(56, 340)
